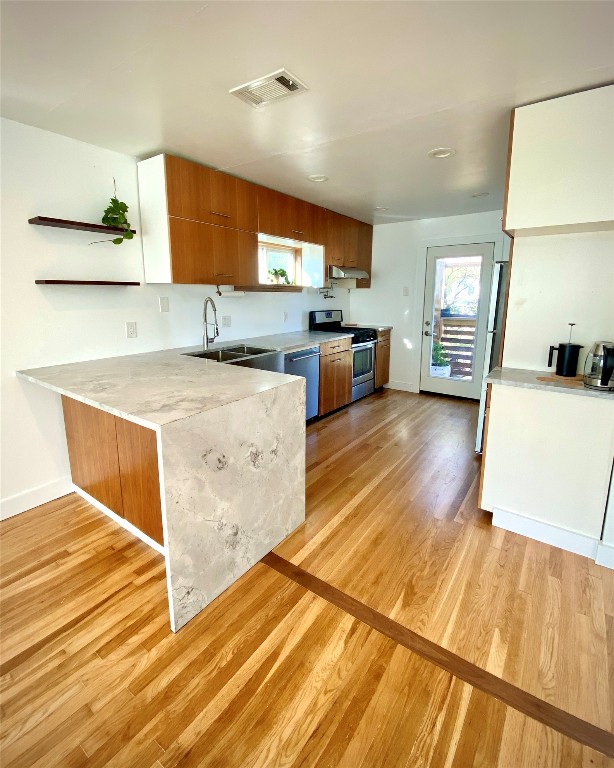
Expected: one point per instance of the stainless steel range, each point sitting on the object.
(363, 348)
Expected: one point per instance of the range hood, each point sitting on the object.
(344, 272)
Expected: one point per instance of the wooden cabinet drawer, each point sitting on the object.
(332, 347)
(335, 381)
(211, 255)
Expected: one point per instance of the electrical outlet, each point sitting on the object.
(226, 321)
(131, 331)
(285, 317)
(164, 304)
(405, 291)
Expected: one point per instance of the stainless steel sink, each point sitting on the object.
(244, 349)
(245, 356)
(218, 355)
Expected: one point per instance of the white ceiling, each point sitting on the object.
(388, 81)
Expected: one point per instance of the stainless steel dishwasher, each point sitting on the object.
(306, 363)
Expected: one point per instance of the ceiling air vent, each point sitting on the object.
(278, 85)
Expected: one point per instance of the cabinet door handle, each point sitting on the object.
(298, 231)
(217, 213)
(223, 274)
(338, 360)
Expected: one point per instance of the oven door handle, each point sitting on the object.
(364, 345)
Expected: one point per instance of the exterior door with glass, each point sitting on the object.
(457, 287)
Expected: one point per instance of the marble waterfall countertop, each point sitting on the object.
(231, 458)
(545, 380)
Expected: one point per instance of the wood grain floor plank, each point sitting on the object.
(271, 674)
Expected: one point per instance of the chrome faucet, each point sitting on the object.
(216, 330)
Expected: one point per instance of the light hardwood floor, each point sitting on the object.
(272, 674)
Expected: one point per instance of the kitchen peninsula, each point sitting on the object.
(204, 461)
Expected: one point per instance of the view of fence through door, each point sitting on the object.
(458, 281)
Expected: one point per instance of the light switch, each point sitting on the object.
(164, 304)
(405, 290)
(226, 321)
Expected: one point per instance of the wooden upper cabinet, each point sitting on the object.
(286, 216)
(205, 253)
(188, 189)
(348, 244)
(203, 194)
(234, 202)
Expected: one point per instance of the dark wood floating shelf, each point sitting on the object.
(46, 221)
(85, 282)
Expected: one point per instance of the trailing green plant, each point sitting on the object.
(280, 273)
(438, 355)
(114, 215)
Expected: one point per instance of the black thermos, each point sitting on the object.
(566, 359)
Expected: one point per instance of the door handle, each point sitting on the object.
(428, 333)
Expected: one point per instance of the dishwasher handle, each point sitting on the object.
(304, 357)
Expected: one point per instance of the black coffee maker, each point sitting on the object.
(567, 356)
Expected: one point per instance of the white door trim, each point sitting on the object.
(450, 386)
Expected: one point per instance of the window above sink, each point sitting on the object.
(287, 262)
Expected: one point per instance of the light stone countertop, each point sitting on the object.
(546, 380)
(375, 326)
(286, 342)
(155, 388)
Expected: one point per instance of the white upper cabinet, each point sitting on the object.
(561, 174)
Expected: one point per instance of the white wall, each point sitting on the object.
(559, 279)
(399, 260)
(51, 175)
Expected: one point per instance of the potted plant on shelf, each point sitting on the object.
(439, 362)
(279, 276)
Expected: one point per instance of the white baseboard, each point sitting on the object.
(546, 533)
(34, 497)
(119, 520)
(403, 386)
(605, 555)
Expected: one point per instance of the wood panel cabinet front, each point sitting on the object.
(286, 216)
(140, 481)
(188, 189)
(212, 255)
(382, 363)
(335, 381)
(203, 194)
(115, 462)
(92, 450)
(348, 244)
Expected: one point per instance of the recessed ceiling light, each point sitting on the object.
(317, 177)
(381, 208)
(480, 194)
(439, 153)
